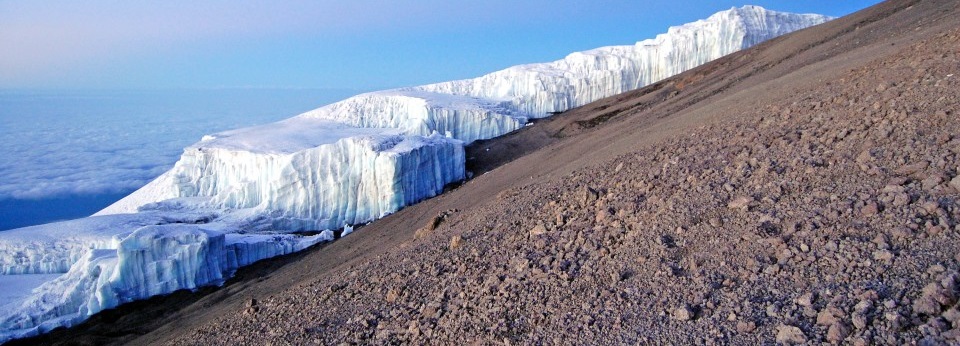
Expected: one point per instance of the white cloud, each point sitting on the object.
(101, 142)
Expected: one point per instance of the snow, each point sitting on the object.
(238, 196)
(343, 179)
(583, 77)
(18, 287)
(130, 259)
(347, 229)
(423, 113)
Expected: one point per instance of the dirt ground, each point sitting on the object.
(802, 191)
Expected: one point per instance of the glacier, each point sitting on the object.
(240, 196)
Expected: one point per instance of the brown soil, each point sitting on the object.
(802, 191)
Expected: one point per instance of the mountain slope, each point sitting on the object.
(666, 251)
(244, 195)
(813, 175)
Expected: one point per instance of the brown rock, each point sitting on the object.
(927, 303)
(837, 333)
(602, 215)
(539, 229)
(895, 319)
(930, 207)
(955, 183)
(893, 188)
(588, 196)
(790, 335)
(683, 313)
(952, 315)
(931, 181)
(901, 199)
(455, 242)
(912, 168)
(392, 296)
(742, 202)
(864, 157)
(882, 255)
(434, 222)
(870, 209)
(829, 316)
(805, 300)
(746, 327)
(860, 321)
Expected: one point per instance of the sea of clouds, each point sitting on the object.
(76, 143)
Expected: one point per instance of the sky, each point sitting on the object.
(357, 44)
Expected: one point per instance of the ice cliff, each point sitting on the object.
(236, 197)
(536, 90)
(121, 258)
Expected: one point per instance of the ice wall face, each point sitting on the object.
(584, 77)
(235, 197)
(150, 260)
(357, 178)
(466, 118)
(230, 201)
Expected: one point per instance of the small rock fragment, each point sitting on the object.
(931, 181)
(955, 183)
(455, 242)
(870, 209)
(829, 316)
(860, 321)
(588, 195)
(805, 300)
(837, 332)
(952, 315)
(790, 335)
(901, 199)
(683, 313)
(927, 303)
(539, 229)
(742, 202)
(882, 255)
(746, 327)
(602, 215)
(392, 296)
(912, 168)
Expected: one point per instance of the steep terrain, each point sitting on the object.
(805, 190)
(244, 195)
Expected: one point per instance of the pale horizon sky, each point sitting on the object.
(361, 44)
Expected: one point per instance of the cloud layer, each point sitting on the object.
(58, 143)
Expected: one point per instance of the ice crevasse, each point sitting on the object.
(237, 197)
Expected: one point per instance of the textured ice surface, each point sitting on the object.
(535, 90)
(310, 174)
(417, 112)
(235, 197)
(120, 259)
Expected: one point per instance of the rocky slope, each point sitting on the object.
(802, 191)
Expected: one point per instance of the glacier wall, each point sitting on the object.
(235, 197)
(583, 77)
(351, 180)
(54, 248)
(423, 113)
(151, 260)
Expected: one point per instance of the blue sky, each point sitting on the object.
(357, 44)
